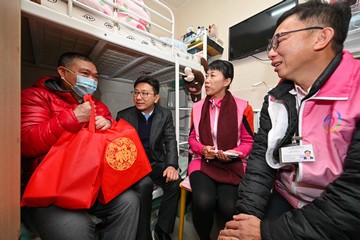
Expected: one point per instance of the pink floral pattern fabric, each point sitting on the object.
(125, 12)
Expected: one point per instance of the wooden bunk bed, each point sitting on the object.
(120, 51)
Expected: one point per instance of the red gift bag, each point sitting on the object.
(125, 161)
(68, 175)
(79, 164)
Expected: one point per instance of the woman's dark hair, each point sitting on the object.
(225, 67)
(320, 13)
(154, 83)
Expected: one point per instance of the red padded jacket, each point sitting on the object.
(47, 112)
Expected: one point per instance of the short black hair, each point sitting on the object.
(319, 12)
(154, 83)
(225, 67)
(67, 58)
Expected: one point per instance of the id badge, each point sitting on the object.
(297, 153)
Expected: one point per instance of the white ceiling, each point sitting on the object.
(174, 3)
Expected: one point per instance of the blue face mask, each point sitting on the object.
(84, 86)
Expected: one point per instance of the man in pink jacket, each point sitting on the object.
(314, 107)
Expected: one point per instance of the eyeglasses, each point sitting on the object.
(275, 40)
(144, 95)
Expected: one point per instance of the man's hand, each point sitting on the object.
(102, 123)
(171, 174)
(82, 112)
(243, 226)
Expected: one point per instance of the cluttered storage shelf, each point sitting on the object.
(205, 40)
(213, 48)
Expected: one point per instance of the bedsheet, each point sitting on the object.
(126, 11)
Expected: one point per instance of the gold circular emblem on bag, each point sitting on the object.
(121, 153)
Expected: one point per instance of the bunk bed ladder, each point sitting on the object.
(182, 120)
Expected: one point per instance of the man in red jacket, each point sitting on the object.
(51, 107)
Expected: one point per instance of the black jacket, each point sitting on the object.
(163, 145)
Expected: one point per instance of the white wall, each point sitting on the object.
(116, 95)
(225, 14)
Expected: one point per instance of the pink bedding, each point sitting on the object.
(141, 22)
